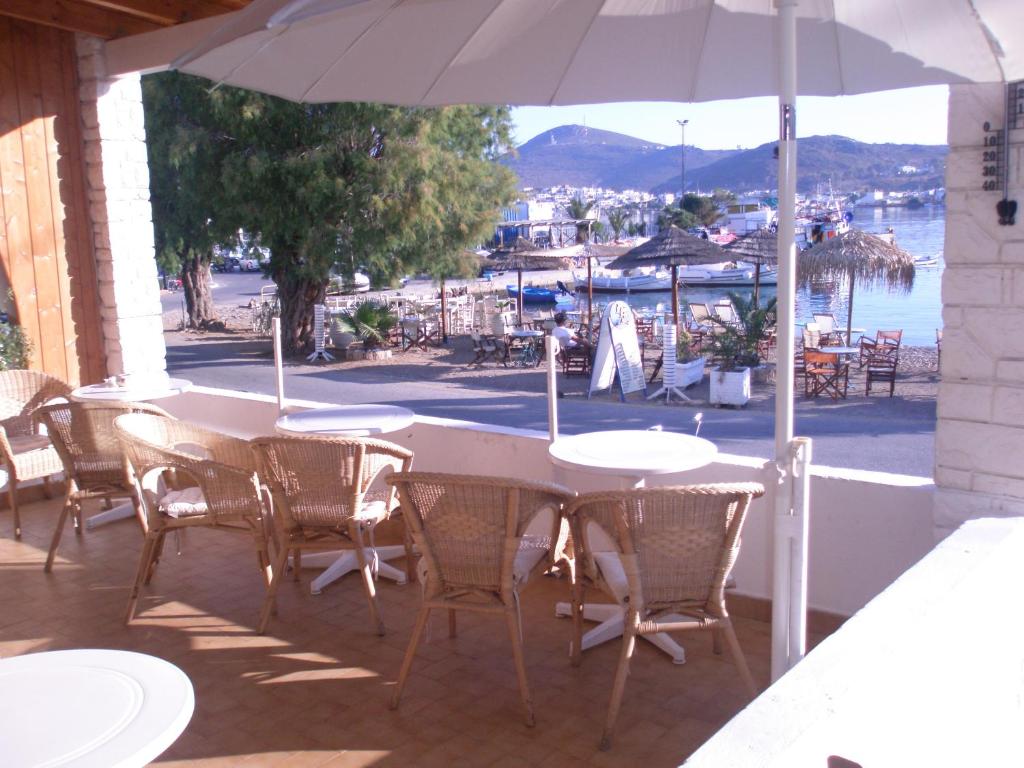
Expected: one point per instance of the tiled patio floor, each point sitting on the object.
(314, 690)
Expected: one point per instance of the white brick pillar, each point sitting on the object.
(979, 440)
(117, 178)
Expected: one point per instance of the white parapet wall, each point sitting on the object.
(866, 527)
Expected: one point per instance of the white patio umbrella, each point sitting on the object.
(536, 52)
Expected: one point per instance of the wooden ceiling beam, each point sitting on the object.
(77, 17)
(165, 12)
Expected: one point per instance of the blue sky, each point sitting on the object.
(909, 116)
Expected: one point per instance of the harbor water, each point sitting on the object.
(918, 312)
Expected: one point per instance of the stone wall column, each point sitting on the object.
(117, 177)
(979, 440)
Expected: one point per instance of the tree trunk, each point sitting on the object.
(298, 296)
(195, 282)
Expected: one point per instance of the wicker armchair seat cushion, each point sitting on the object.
(26, 443)
(613, 573)
(187, 502)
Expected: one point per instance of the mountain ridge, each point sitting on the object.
(578, 156)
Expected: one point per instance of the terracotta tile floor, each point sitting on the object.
(314, 690)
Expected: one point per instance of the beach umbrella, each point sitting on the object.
(859, 258)
(758, 247)
(672, 247)
(702, 50)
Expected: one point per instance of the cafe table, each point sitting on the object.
(365, 420)
(631, 456)
(90, 708)
(518, 341)
(135, 390)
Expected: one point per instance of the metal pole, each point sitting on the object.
(682, 162)
(551, 349)
(786, 650)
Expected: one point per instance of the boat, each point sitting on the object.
(359, 283)
(926, 261)
(533, 294)
(726, 273)
(640, 279)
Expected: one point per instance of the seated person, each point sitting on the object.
(566, 337)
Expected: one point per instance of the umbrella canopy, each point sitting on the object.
(376, 50)
(672, 247)
(860, 258)
(760, 247)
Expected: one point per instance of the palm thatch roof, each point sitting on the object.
(671, 246)
(523, 254)
(759, 247)
(867, 259)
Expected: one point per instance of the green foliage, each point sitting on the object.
(371, 322)
(704, 209)
(579, 209)
(617, 221)
(15, 347)
(671, 215)
(684, 347)
(736, 347)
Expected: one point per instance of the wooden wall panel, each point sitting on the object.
(45, 234)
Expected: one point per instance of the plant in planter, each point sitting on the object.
(14, 347)
(730, 379)
(370, 322)
(689, 363)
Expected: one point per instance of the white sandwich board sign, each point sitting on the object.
(618, 352)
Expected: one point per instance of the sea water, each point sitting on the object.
(918, 312)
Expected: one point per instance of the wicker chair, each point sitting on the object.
(28, 454)
(478, 550)
(213, 485)
(94, 461)
(671, 553)
(323, 500)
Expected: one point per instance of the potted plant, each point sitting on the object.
(689, 364)
(14, 346)
(370, 322)
(730, 379)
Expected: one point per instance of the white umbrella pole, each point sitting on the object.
(275, 325)
(551, 349)
(790, 562)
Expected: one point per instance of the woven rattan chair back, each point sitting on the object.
(684, 540)
(21, 393)
(469, 528)
(222, 466)
(84, 436)
(322, 481)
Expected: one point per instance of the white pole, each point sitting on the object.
(782, 604)
(551, 349)
(800, 467)
(275, 325)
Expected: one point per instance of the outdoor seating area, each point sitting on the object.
(825, 363)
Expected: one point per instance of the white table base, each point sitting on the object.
(339, 563)
(668, 391)
(107, 516)
(611, 624)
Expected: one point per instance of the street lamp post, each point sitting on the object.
(682, 162)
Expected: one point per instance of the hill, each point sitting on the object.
(578, 156)
(589, 157)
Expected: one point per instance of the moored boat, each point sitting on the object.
(636, 280)
(533, 294)
(726, 273)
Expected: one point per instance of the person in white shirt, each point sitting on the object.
(566, 337)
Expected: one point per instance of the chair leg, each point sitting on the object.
(296, 563)
(738, 658)
(275, 581)
(12, 497)
(452, 627)
(410, 653)
(148, 548)
(516, 636)
(47, 487)
(61, 521)
(370, 588)
(619, 687)
(154, 558)
(576, 648)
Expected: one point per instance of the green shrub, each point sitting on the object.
(371, 322)
(14, 347)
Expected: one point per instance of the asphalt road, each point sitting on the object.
(875, 434)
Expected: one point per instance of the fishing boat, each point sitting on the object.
(638, 280)
(725, 274)
(533, 294)
(926, 261)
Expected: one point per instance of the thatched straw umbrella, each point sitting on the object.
(672, 247)
(759, 247)
(859, 257)
(515, 257)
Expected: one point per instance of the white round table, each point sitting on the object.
(347, 420)
(132, 393)
(632, 453)
(85, 708)
(846, 351)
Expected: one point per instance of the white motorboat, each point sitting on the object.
(639, 279)
(726, 273)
